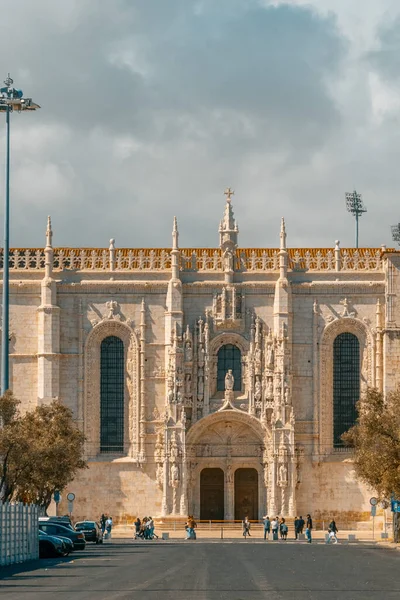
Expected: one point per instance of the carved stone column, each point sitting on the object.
(229, 500)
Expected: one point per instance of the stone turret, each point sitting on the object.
(282, 287)
(174, 313)
(48, 329)
(228, 238)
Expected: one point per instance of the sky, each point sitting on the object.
(151, 108)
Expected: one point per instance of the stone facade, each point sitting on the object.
(174, 309)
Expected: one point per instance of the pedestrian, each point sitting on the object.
(283, 528)
(309, 527)
(109, 525)
(246, 527)
(274, 528)
(137, 525)
(150, 526)
(332, 539)
(332, 526)
(145, 529)
(190, 528)
(301, 524)
(103, 520)
(296, 528)
(267, 527)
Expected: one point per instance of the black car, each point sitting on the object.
(91, 531)
(50, 546)
(77, 538)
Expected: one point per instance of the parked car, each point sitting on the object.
(77, 538)
(50, 546)
(91, 531)
(66, 521)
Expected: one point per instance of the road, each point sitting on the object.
(122, 570)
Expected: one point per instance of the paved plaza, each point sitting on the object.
(204, 570)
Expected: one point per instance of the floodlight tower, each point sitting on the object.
(396, 233)
(356, 207)
(10, 100)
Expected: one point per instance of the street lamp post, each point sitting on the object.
(356, 207)
(10, 100)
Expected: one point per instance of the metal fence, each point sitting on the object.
(19, 533)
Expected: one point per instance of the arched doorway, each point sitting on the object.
(246, 494)
(212, 494)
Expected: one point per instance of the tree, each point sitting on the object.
(376, 442)
(41, 452)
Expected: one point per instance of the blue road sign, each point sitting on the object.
(395, 506)
(57, 497)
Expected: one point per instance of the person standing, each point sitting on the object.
(309, 526)
(267, 527)
(109, 525)
(296, 528)
(137, 525)
(246, 527)
(301, 524)
(103, 523)
(274, 528)
(283, 529)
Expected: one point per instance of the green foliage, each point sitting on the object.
(376, 441)
(40, 451)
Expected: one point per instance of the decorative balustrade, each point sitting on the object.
(195, 259)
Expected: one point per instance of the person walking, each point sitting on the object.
(246, 527)
(109, 526)
(150, 526)
(332, 526)
(332, 539)
(267, 527)
(309, 526)
(274, 528)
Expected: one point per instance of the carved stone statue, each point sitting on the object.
(228, 260)
(174, 475)
(188, 351)
(207, 450)
(270, 388)
(229, 380)
(257, 390)
(229, 474)
(287, 398)
(188, 384)
(283, 473)
(270, 357)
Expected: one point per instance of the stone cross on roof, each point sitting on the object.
(228, 193)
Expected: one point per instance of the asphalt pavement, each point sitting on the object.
(203, 570)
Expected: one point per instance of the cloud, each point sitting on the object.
(151, 109)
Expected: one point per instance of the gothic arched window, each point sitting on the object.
(229, 357)
(112, 394)
(346, 384)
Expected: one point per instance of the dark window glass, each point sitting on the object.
(346, 384)
(112, 395)
(229, 357)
